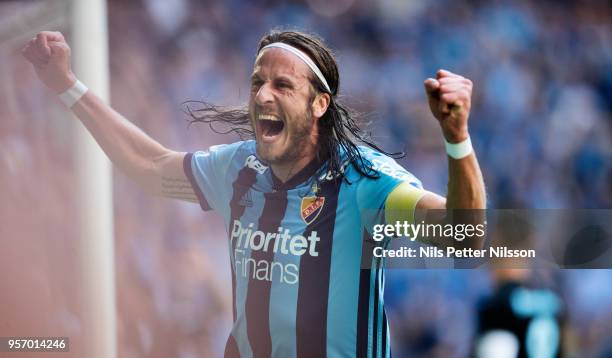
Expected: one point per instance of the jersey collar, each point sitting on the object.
(308, 171)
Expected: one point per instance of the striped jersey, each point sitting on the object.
(299, 286)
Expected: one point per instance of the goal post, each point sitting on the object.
(89, 43)
(85, 24)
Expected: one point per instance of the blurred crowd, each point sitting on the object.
(542, 72)
(541, 124)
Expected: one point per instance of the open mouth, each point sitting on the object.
(269, 126)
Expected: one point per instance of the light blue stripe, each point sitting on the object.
(284, 295)
(209, 169)
(371, 307)
(379, 308)
(388, 350)
(343, 298)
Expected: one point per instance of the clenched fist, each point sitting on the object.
(449, 97)
(50, 55)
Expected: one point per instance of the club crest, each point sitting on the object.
(311, 208)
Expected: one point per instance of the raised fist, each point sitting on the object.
(449, 97)
(50, 55)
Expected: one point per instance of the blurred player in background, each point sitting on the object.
(519, 320)
(294, 199)
(522, 317)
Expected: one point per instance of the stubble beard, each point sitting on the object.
(298, 141)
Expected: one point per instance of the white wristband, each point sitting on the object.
(459, 150)
(73, 94)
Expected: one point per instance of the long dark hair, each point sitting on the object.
(338, 127)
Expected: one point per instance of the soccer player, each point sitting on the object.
(520, 319)
(299, 200)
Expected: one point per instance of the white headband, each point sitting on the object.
(302, 57)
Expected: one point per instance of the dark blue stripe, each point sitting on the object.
(258, 294)
(384, 334)
(245, 179)
(194, 184)
(231, 348)
(363, 308)
(363, 313)
(311, 320)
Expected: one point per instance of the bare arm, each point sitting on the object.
(449, 97)
(156, 169)
(466, 188)
(465, 191)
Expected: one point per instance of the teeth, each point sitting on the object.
(268, 117)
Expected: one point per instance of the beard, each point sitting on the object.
(298, 131)
(298, 140)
